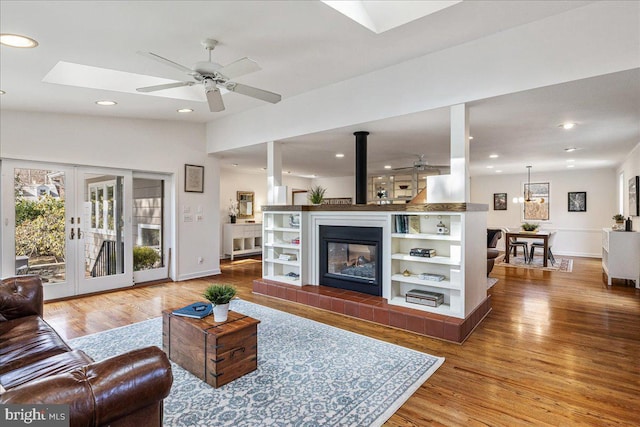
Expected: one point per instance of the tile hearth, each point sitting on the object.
(376, 309)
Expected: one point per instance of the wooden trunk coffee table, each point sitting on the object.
(215, 352)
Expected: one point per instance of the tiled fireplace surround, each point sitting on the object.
(376, 309)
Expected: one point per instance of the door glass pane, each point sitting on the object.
(148, 205)
(104, 238)
(40, 223)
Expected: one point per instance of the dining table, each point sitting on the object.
(544, 235)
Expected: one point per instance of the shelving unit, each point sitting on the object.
(242, 239)
(449, 261)
(282, 256)
(397, 188)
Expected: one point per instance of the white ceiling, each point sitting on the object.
(305, 45)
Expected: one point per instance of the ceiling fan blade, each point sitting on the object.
(168, 62)
(239, 68)
(254, 92)
(214, 98)
(164, 86)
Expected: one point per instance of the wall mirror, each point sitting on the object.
(245, 204)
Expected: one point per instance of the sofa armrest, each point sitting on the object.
(103, 392)
(21, 296)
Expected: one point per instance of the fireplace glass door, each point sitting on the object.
(352, 260)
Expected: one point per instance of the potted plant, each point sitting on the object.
(316, 195)
(220, 296)
(233, 210)
(529, 227)
(619, 218)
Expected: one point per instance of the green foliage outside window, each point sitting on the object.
(40, 227)
(144, 258)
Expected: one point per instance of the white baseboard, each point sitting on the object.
(199, 274)
(578, 254)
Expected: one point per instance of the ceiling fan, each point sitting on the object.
(421, 165)
(213, 76)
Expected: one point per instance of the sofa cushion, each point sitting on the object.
(26, 340)
(58, 364)
(20, 296)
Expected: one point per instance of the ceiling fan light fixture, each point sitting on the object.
(16, 40)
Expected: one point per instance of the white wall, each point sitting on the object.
(141, 145)
(579, 233)
(630, 168)
(344, 186)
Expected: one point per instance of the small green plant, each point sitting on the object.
(618, 217)
(527, 226)
(316, 194)
(144, 258)
(220, 294)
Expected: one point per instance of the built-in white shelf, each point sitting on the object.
(428, 260)
(421, 236)
(445, 284)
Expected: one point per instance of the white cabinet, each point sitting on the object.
(460, 260)
(282, 257)
(621, 255)
(242, 239)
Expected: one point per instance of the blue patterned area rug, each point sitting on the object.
(309, 374)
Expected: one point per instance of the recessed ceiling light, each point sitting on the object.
(489, 167)
(106, 102)
(2, 92)
(567, 125)
(387, 166)
(16, 40)
(493, 156)
(498, 171)
(339, 155)
(185, 110)
(571, 166)
(570, 149)
(470, 137)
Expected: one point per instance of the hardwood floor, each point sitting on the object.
(557, 349)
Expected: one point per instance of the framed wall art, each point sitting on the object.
(577, 201)
(634, 196)
(536, 204)
(193, 179)
(499, 201)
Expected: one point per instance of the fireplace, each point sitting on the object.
(351, 258)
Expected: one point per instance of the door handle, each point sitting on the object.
(79, 233)
(72, 235)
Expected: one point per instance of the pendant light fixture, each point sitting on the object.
(528, 192)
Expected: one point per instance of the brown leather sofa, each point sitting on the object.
(493, 235)
(38, 367)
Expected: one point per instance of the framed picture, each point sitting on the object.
(193, 179)
(634, 196)
(499, 201)
(536, 205)
(577, 201)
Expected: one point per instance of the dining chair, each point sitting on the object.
(514, 244)
(534, 245)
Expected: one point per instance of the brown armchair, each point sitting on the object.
(493, 235)
(38, 367)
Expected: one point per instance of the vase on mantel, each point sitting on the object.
(232, 218)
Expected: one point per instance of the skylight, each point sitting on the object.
(383, 15)
(70, 74)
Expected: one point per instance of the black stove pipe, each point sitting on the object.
(361, 167)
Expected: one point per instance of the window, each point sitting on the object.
(102, 196)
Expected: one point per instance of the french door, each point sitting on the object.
(69, 225)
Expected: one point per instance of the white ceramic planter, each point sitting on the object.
(220, 312)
